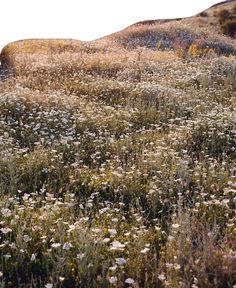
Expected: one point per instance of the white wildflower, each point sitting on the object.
(175, 226)
(170, 238)
(145, 250)
(157, 228)
(67, 246)
(26, 238)
(161, 277)
(80, 256)
(71, 228)
(56, 245)
(61, 279)
(112, 232)
(96, 230)
(6, 212)
(33, 257)
(106, 240)
(113, 279)
(129, 281)
(115, 220)
(120, 261)
(6, 230)
(177, 266)
(116, 245)
(12, 245)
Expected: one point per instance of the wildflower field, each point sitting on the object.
(117, 159)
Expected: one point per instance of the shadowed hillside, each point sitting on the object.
(117, 158)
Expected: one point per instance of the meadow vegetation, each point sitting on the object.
(117, 161)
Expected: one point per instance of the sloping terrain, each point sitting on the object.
(117, 158)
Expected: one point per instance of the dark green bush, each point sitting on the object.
(223, 15)
(227, 21)
(203, 14)
(229, 28)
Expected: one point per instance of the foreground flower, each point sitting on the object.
(112, 232)
(116, 245)
(145, 250)
(48, 285)
(6, 230)
(33, 257)
(120, 261)
(113, 268)
(129, 281)
(80, 256)
(161, 277)
(27, 238)
(6, 212)
(175, 225)
(106, 240)
(67, 246)
(61, 279)
(113, 279)
(56, 245)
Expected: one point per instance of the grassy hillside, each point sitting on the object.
(117, 158)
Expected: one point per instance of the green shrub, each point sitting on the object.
(229, 27)
(227, 20)
(203, 14)
(223, 15)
